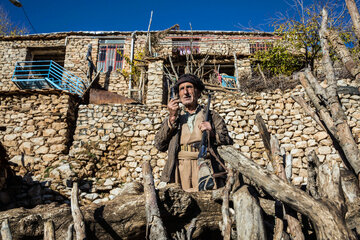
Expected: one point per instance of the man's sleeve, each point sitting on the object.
(164, 135)
(221, 133)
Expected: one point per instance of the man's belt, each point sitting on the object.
(193, 147)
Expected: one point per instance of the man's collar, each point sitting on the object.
(198, 109)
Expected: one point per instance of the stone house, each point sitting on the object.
(112, 53)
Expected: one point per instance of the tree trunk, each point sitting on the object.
(70, 232)
(154, 225)
(5, 230)
(272, 147)
(355, 16)
(226, 224)
(49, 232)
(79, 224)
(249, 219)
(328, 224)
(124, 217)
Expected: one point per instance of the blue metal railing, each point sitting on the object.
(47, 74)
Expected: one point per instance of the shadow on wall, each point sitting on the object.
(17, 191)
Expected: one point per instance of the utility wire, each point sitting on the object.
(34, 30)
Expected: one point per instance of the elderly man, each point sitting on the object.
(181, 134)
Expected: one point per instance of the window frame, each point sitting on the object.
(108, 54)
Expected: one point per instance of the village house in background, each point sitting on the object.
(125, 62)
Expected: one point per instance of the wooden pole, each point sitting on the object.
(49, 231)
(155, 229)
(273, 150)
(226, 224)
(328, 224)
(5, 230)
(78, 217)
(70, 232)
(148, 37)
(249, 220)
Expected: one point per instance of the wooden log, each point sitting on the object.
(328, 225)
(355, 16)
(330, 188)
(274, 153)
(78, 217)
(307, 109)
(226, 224)
(349, 185)
(190, 229)
(249, 220)
(5, 230)
(288, 167)
(155, 226)
(173, 68)
(343, 52)
(70, 231)
(265, 135)
(313, 172)
(343, 133)
(49, 231)
(236, 71)
(262, 74)
(123, 217)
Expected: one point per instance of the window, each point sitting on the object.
(260, 46)
(182, 46)
(56, 53)
(109, 57)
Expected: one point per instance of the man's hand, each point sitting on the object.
(205, 126)
(173, 107)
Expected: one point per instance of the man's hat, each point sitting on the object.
(191, 79)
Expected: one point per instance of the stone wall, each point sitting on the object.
(118, 138)
(39, 127)
(154, 93)
(225, 43)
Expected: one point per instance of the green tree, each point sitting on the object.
(7, 27)
(300, 43)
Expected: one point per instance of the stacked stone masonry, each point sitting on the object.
(38, 127)
(102, 128)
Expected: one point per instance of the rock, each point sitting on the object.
(297, 152)
(320, 136)
(58, 148)
(42, 150)
(10, 137)
(49, 132)
(27, 135)
(49, 157)
(55, 174)
(297, 181)
(108, 182)
(37, 141)
(301, 145)
(324, 150)
(123, 172)
(18, 160)
(65, 171)
(92, 196)
(132, 188)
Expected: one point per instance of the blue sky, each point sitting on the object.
(105, 15)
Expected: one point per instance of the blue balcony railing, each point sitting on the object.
(47, 74)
